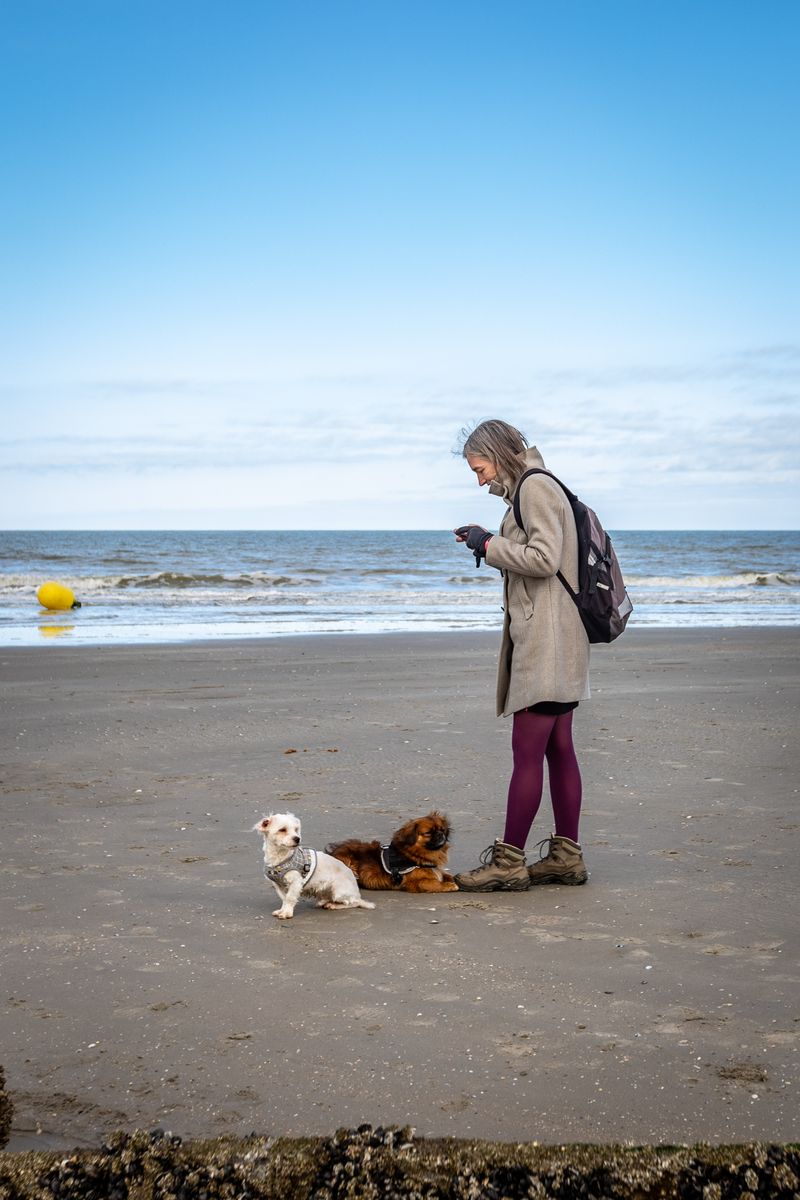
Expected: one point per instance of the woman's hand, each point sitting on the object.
(476, 538)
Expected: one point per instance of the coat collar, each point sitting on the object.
(504, 486)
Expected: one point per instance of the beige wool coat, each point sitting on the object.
(544, 652)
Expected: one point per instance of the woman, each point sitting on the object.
(544, 658)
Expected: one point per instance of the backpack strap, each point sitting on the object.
(537, 471)
(518, 510)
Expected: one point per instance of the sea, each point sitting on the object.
(160, 587)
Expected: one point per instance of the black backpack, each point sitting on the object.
(601, 599)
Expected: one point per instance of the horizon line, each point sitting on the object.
(378, 529)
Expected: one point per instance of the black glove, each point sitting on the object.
(475, 537)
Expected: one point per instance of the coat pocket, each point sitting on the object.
(523, 600)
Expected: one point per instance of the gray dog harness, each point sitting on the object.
(304, 861)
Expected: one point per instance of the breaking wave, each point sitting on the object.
(260, 583)
(745, 579)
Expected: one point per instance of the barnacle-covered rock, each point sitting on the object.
(6, 1110)
(387, 1163)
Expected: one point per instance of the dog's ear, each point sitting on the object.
(409, 834)
(263, 825)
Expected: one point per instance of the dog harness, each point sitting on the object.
(397, 865)
(304, 861)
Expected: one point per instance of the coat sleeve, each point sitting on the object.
(542, 518)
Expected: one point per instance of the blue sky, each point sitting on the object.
(262, 261)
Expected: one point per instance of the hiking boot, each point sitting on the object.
(562, 863)
(503, 870)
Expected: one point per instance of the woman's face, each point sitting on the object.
(484, 468)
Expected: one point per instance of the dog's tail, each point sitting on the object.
(348, 902)
(351, 850)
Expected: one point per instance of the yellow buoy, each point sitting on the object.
(56, 597)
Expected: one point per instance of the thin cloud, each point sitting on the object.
(663, 422)
(241, 447)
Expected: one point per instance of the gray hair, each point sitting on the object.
(499, 442)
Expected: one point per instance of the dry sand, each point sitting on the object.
(144, 981)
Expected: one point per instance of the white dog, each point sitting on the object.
(292, 870)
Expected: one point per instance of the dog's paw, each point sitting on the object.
(283, 914)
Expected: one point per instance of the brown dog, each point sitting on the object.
(413, 861)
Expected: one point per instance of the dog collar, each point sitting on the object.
(396, 864)
(304, 861)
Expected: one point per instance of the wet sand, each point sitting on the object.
(145, 983)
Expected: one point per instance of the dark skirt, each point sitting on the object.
(553, 708)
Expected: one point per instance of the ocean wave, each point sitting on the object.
(477, 580)
(122, 560)
(175, 589)
(177, 580)
(745, 579)
(166, 581)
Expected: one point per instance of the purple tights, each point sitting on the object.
(535, 737)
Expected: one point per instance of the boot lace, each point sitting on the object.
(543, 854)
(487, 855)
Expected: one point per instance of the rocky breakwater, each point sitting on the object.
(367, 1163)
(6, 1110)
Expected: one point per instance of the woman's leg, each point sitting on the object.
(530, 738)
(534, 736)
(565, 778)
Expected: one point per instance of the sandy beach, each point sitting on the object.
(145, 983)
